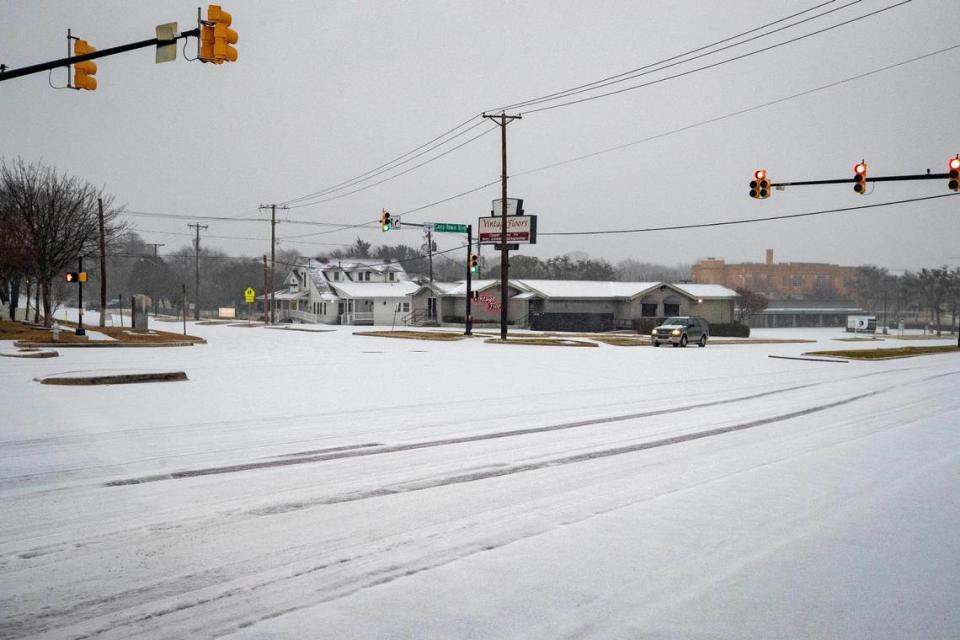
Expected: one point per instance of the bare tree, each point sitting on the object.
(56, 219)
(750, 303)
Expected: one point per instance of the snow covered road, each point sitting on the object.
(337, 486)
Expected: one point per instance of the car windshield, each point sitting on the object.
(677, 321)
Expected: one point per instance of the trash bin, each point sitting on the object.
(55, 330)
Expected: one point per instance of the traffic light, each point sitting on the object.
(83, 72)
(760, 185)
(206, 44)
(223, 35)
(474, 263)
(860, 177)
(385, 223)
(953, 173)
(75, 276)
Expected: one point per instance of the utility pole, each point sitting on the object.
(196, 292)
(155, 245)
(502, 120)
(430, 251)
(156, 259)
(268, 291)
(266, 312)
(103, 266)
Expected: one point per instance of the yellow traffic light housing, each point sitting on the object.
(83, 72)
(385, 224)
(474, 263)
(860, 177)
(223, 35)
(206, 44)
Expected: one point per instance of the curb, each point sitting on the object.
(104, 344)
(31, 353)
(124, 378)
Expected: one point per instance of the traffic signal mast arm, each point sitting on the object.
(921, 176)
(102, 53)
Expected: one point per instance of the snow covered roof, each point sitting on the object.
(586, 289)
(706, 291)
(284, 294)
(589, 289)
(375, 289)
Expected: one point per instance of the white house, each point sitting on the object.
(347, 291)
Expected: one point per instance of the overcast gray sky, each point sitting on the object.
(323, 92)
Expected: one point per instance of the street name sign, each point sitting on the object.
(443, 227)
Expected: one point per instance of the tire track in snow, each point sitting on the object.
(294, 459)
(370, 451)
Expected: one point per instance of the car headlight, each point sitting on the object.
(654, 332)
(675, 332)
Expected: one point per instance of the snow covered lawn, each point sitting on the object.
(326, 485)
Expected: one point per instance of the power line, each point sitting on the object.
(632, 73)
(404, 172)
(717, 64)
(739, 112)
(440, 139)
(388, 166)
(703, 225)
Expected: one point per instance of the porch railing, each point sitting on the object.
(303, 316)
(357, 317)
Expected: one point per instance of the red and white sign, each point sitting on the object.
(520, 230)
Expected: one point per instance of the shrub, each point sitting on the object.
(729, 330)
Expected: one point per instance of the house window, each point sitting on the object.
(392, 276)
(648, 309)
(405, 306)
(366, 276)
(336, 275)
(797, 280)
(671, 309)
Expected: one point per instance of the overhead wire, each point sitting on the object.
(626, 75)
(738, 112)
(703, 225)
(404, 172)
(717, 64)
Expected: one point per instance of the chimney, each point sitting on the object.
(769, 256)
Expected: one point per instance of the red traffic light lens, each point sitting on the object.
(954, 163)
(760, 174)
(860, 168)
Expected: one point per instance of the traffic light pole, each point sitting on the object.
(468, 316)
(65, 62)
(80, 330)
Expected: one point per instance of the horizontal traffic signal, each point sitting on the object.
(75, 276)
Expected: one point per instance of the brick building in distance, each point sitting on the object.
(783, 281)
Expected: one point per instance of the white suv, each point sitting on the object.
(680, 330)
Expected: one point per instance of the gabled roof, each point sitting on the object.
(586, 289)
(589, 289)
(374, 289)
